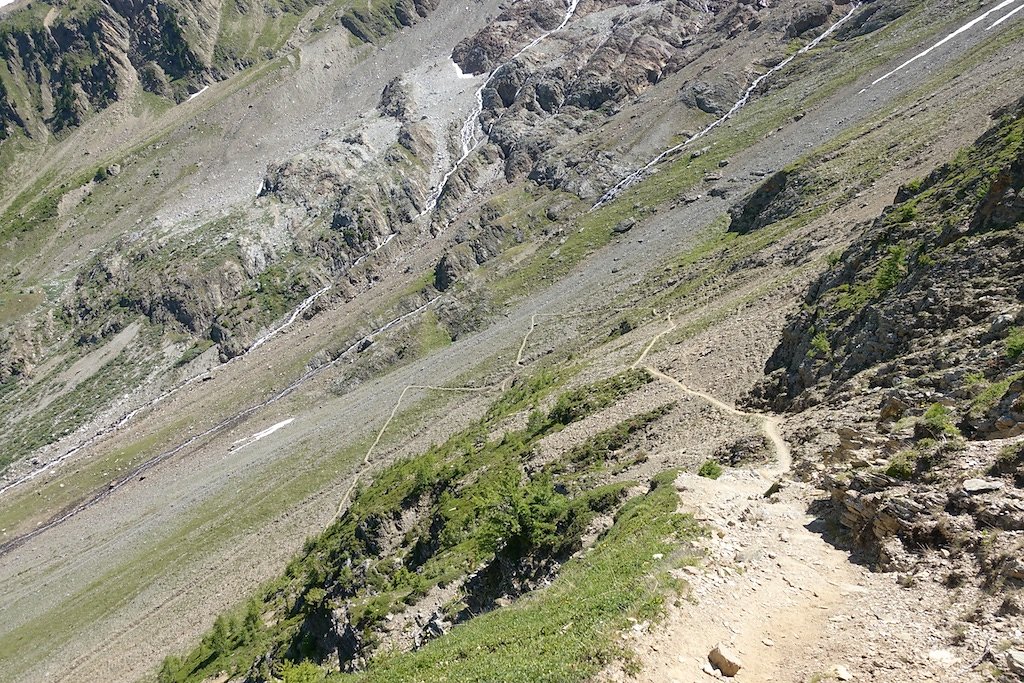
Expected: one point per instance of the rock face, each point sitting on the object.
(365, 184)
(79, 57)
(809, 16)
(915, 277)
(528, 108)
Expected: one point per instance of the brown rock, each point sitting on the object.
(725, 660)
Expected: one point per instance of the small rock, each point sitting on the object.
(624, 226)
(725, 660)
(768, 642)
(710, 670)
(944, 657)
(842, 673)
(973, 486)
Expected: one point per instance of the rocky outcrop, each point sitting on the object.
(227, 295)
(528, 108)
(809, 16)
(893, 521)
(79, 58)
(776, 198)
(477, 242)
(512, 29)
(379, 20)
(873, 16)
(71, 59)
(365, 186)
(945, 262)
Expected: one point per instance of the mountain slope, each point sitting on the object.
(264, 326)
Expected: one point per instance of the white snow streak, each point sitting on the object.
(242, 443)
(1004, 18)
(966, 27)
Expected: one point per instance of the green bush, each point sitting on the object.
(892, 270)
(710, 470)
(821, 346)
(306, 672)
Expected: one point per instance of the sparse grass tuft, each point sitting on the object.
(710, 470)
(1015, 343)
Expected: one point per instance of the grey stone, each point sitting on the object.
(974, 486)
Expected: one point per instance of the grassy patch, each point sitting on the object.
(710, 470)
(477, 506)
(567, 632)
(608, 447)
(937, 421)
(194, 351)
(1014, 343)
(989, 397)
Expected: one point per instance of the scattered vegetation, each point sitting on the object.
(710, 469)
(479, 505)
(1015, 343)
(937, 421)
(584, 401)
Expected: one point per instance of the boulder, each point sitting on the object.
(624, 226)
(725, 660)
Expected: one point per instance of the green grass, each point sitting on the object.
(989, 397)
(194, 351)
(567, 632)
(1014, 343)
(430, 334)
(1009, 459)
(596, 452)
(251, 37)
(710, 469)
(14, 304)
(479, 506)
